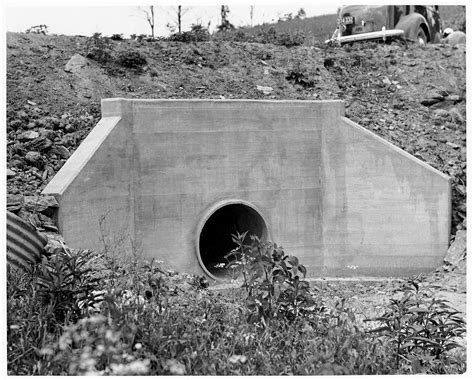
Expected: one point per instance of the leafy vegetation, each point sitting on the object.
(422, 329)
(131, 59)
(98, 48)
(80, 313)
(198, 33)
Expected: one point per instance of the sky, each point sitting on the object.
(128, 17)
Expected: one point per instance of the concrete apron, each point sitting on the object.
(178, 177)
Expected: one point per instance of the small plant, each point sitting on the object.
(274, 281)
(66, 284)
(422, 329)
(302, 71)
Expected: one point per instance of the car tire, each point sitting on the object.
(421, 36)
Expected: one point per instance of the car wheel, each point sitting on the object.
(421, 36)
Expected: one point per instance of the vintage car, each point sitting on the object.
(380, 22)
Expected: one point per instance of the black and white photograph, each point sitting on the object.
(249, 189)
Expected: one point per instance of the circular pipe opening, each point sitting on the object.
(215, 234)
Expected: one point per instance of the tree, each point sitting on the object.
(179, 12)
(150, 17)
(225, 24)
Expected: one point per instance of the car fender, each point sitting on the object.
(410, 24)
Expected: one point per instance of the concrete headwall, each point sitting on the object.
(341, 199)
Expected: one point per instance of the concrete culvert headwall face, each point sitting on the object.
(341, 199)
(215, 234)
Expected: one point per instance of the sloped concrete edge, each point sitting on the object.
(73, 166)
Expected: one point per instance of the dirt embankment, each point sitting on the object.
(410, 95)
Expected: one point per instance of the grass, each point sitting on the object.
(139, 319)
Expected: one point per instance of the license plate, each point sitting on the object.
(347, 20)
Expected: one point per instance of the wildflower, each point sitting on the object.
(234, 359)
(175, 368)
(137, 367)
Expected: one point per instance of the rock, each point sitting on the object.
(453, 145)
(456, 115)
(28, 135)
(457, 250)
(61, 151)
(44, 204)
(22, 115)
(439, 95)
(76, 63)
(17, 163)
(265, 89)
(53, 247)
(15, 124)
(41, 144)
(31, 125)
(11, 173)
(14, 202)
(456, 38)
(31, 103)
(430, 101)
(441, 113)
(48, 122)
(35, 159)
(454, 98)
(386, 81)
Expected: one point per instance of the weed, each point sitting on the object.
(274, 281)
(422, 329)
(67, 285)
(302, 71)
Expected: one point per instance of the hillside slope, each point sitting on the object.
(410, 95)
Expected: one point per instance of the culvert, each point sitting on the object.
(341, 199)
(214, 235)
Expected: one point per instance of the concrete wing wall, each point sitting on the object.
(95, 182)
(385, 212)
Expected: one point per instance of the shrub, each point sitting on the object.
(198, 33)
(116, 37)
(131, 59)
(302, 70)
(274, 281)
(38, 29)
(98, 48)
(421, 328)
(66, 284)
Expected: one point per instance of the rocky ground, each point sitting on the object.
(413, 96)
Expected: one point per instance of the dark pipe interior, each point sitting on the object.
(215, 239)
